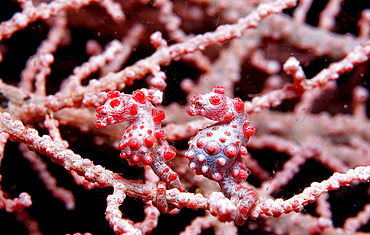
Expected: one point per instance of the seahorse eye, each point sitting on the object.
(198, 104)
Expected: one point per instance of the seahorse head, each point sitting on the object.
(119, 107)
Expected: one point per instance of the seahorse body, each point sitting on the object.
(216, 151)
(143, 142)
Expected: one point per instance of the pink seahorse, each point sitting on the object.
(216, 151)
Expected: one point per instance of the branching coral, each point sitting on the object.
(126, 109)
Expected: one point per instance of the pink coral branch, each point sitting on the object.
(135, 101)
(310, 194)
(44, 11)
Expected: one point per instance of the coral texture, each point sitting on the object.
(184, 117)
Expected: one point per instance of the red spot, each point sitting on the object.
(113, 94)
(172, 177)
(243, 210)
(222, 139)
(212, 148)
(99, 109)
(229, 115)
(243, 150)
(123, 155)
(238, 105)
(215, 100)
(217, 176)
(134, 144)
(230, 151)
(169, 154)
(238, 188)
(114, 103)
(148, 159)
(205, 169)
(221, 161)
(100, 124)
(158, 116)
(121, 146)
(209, 134)
(109, 119)
(227, 133)
(139, 96)
(242, 175)
(201, 158)
(219, 90)
(133, 109)
(241, 166)
(159, 134)
(200, 142)
(166, 170)
(149, 141)
(248, 129)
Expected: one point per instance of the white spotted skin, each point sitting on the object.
(216, 151)
(208, 153)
